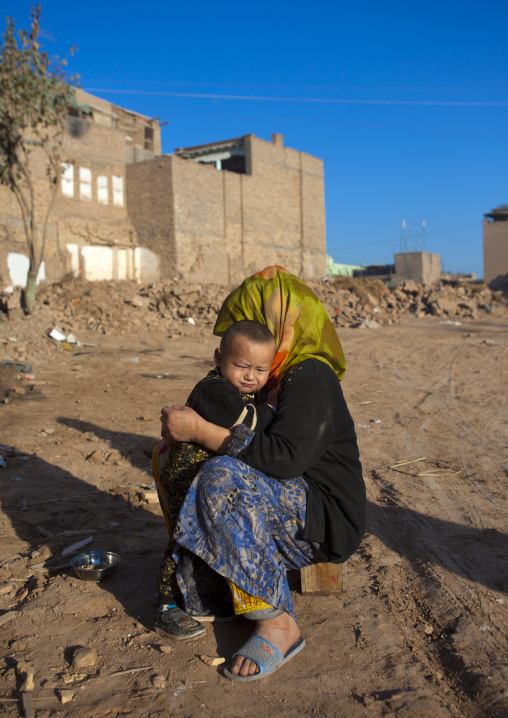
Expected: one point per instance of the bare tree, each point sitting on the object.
(34, 98)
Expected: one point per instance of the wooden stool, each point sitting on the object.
(324, 579)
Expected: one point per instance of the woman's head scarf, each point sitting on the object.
(293, 314)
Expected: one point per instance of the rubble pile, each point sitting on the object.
(369, 303)
(125, 306)
(175, 307)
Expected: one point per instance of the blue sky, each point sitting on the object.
(406, 103)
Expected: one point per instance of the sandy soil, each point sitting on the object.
(422, 628)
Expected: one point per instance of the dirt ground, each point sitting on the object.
(422, 628)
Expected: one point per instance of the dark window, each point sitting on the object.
(148, 138)
(236, 163)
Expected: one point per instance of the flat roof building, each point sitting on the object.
(223, 210)
(495, 243)
(213, 213)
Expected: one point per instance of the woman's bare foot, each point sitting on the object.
(281, 631)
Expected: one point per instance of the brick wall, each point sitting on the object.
(224, 225)
(209, 225)
(93, 210)
(150, 207)
(495, 249)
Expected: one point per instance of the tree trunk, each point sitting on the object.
(31, 284)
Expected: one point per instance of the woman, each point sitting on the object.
(279, 498)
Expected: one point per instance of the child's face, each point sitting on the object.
(245, 364)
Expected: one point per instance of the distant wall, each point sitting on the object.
(421, 267)
(150, 204)
(495, 249)
(208, 227)
(284, 209)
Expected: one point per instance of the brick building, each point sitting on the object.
(212, 213)
(220, 211)
(495, 243)
(89, 231)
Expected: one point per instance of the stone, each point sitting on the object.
(96, 457)
(25, 672)
(165, 649)
(84, 658)
(213, 660)
(65, 695)
(158, 681)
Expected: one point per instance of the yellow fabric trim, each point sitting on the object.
(243, 602)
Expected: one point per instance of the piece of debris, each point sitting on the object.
(425, 628)
(57, 335)
(22, 594)
(84, 658)
(74, 548)
(20, 366)
(7, 617)
(158, 681)
(165, 648)
(96, 457)
(375, 421)
(150, 496)
(130, 670)
(65, 695)
(213, 660)
(25, 672)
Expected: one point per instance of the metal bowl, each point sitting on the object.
(95, 565)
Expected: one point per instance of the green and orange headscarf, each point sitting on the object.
(293, 314)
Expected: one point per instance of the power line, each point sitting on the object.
(342, 88)
(314, 100)
(337, 124)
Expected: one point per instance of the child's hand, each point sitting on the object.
(271, 397)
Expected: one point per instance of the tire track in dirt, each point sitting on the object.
(439, 609)
(447, 566)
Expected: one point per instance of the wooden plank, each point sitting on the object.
(324, 579)
(28, 708)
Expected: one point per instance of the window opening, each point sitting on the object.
(85, 184)
(102, 190)
(117, 191)
(148, 138)
(67, 179)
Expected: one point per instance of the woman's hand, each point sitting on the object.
(179, 423)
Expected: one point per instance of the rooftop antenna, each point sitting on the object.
(412, 236)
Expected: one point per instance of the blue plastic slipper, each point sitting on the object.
(268, 658)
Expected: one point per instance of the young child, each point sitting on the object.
(226, 397)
